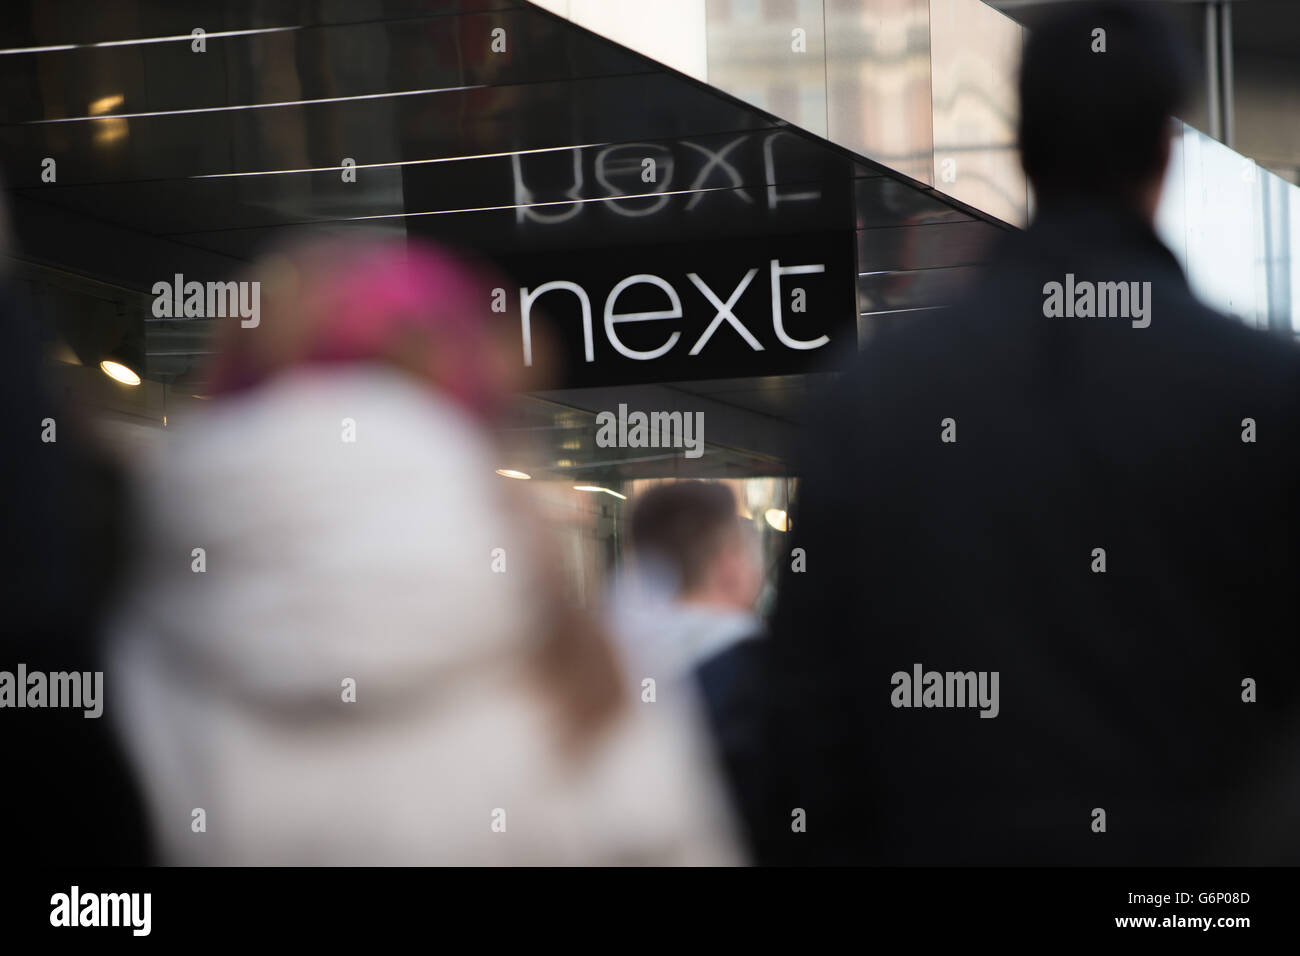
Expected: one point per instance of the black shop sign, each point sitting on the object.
(773, 305)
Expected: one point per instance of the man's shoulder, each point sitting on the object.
(1000, 324)
(737, 663)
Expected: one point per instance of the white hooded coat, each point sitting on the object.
(331, 564)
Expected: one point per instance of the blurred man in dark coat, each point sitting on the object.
(1049, 609)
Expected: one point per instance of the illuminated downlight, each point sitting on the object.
(119, 372)
(778, 519)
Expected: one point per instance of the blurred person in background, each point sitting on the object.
(69, 798)
(372, 663)
(1075, 505)
(689, 537)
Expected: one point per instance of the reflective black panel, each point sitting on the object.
(398, 117)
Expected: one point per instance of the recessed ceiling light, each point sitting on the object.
(119, 372)
(511, 473)
(777, 518)
(106, 104)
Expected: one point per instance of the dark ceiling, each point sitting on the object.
(224, 150)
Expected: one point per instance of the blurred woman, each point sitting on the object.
(346, 643)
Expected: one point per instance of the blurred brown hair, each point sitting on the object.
(683, 524)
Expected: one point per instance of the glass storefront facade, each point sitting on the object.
(1235, 227)
(876, 138)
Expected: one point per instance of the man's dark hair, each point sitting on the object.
(684, 524)
(1094, 123)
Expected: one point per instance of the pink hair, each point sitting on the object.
(361, 301)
